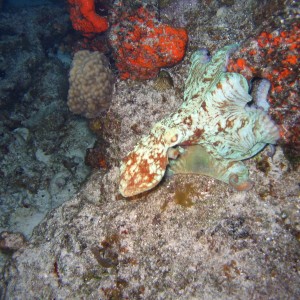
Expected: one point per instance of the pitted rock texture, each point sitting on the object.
(226, 245)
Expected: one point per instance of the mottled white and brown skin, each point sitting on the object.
(215, 118)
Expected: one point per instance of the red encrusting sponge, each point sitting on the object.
(84, 18)
(142, 45)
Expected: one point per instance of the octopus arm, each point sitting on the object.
(259, 91)
(198, 160)
(205, 72)
(229, 94)
(261, 132)
(265, 129)
(249, 134)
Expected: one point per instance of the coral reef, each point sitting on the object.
(85, 19)
(10, 241)
(163, 81)
(142, 45)
(217, 25)
(191, 237)
(42, 147)
(23, 49)
(91, 84)
(215, 116)
(95, 158)
(275, 56)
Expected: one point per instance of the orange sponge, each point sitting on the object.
(142, 45)
(85, 19)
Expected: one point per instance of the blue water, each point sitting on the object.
(26, 3)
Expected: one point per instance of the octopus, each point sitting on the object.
(218, 126)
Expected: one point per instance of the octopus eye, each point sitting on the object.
(174, 138)
(201, 55)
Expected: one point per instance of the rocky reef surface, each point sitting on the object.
(192, 237)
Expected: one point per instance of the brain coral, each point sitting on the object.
(91, 84)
